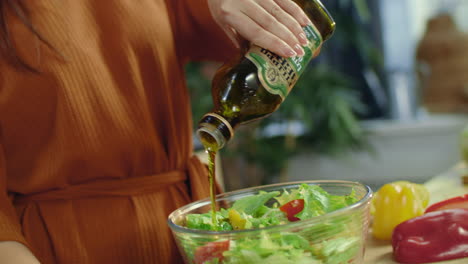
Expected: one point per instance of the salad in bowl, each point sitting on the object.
(322, 222)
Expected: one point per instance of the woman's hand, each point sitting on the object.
(272, 24)
(14, 252)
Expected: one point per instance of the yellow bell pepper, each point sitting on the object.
(236, 220)
(395, 203)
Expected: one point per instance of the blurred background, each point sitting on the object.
(386, 100)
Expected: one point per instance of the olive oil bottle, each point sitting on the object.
(255, 84)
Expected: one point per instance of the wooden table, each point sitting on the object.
(441, 187)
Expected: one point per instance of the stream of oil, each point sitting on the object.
(211, 178)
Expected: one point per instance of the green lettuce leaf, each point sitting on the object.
(284, 248)
(251, 204)
(338, 202)
(316, 201)
(340, 250)
(205, 221)
(265, 217)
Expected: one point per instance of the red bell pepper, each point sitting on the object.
(456, 202)
(432, 237)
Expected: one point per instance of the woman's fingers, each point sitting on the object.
(295, 11)
(272, 24)
(256, 34)
(276, 21)
(291, 15)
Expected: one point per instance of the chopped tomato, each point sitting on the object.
(292, 208)
(452, 203)
(211, 250)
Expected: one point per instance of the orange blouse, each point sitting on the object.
(96, 150)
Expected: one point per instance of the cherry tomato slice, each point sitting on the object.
(211, 251)
(292, 208)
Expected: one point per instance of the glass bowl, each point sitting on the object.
(333, 238)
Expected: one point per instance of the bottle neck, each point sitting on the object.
(320, 16)
(214, 131)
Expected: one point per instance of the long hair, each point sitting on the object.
(8, 50)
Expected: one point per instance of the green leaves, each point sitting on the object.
(316, 200)
(251, 204)
(205, 222)
(266, 216)
(340, 250)
(362, 9)
(331, 125)
(284, 248)
(257, 214)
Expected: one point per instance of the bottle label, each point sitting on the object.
(279, 75)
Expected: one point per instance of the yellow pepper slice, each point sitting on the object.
(395, 203)
(236, 220)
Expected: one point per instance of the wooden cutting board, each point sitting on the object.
(441, 187)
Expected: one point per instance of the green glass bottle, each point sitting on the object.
(254, 85)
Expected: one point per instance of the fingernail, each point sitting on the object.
(289, 52)
(299, 50)
(303, 39)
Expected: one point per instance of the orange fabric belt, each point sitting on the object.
(117, 187)
(194, 174)
(127, 187)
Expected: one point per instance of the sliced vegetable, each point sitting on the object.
(293, 208)
(236, 220)
(395, 203)
(212, 251)
(455, 202)
(432, 237)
